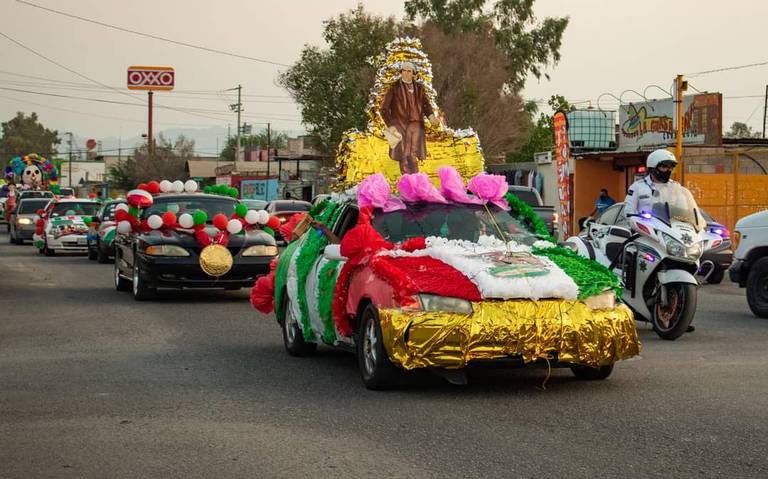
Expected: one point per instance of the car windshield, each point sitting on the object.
(27, 207)
(75, 209)
(452, 221)
(292, 206)
(109, 211)
(212, 205)
(35, 194)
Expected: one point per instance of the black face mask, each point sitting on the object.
(661, 176)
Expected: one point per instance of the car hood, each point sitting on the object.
(754, 220)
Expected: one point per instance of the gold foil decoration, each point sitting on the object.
(215, 260)
(363, 153)
(569, 331)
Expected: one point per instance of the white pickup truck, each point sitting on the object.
(750, 261)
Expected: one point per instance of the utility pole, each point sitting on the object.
(69, 143)
(150, 142)
(269, 151)
(237, 107)
(680, 87)
(765, 109)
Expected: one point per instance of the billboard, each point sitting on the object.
(151, 78)
(562, 156)
(259, 189)
(652, 123)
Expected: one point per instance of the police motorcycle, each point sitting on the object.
(656, 260)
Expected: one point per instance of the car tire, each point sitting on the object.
(101, 255)
(141, 292)
(587, 373)
(121, 284)
(48, 251)
(376, 369)
(293, 337)
(757, 288)
(717, 276)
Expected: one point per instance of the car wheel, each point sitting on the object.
(376, 370)
(587, 373)
(293, 337)
(48, 251)
(141, 292)
(121, 284)
(101, 255)
(717, 276)
(757, 288)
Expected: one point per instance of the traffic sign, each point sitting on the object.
(151, 78)
(90, 144)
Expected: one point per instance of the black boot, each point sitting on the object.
(691, 328)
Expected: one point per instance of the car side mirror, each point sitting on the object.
(333, 252)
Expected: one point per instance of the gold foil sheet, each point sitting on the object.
(567, 330)
(215, 260)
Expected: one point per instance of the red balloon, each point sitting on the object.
(40, 223)
(142, 186)
(133, 220)
(220, 221)
(91, 195)
(40, 212)
(153, 187)
(202, 238)
(121, 215)
(169, 218)
(144, 225)
(274, 223)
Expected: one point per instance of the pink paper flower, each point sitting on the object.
(375, 192)
(452, 186)
(417, 187)
(490, 189)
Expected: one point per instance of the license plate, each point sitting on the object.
(81, 241)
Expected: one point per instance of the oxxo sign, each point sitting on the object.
(151, 78)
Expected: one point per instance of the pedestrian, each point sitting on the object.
(288, 195)
(602, 203)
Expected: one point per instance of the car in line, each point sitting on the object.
(102, 232)
(532, 198)
(65, 229)
(255, 204)
(285, 209)
(173, 258)
(23, 221)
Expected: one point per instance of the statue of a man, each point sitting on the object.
(403, 110)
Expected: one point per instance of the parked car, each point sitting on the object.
(23, 221)
(3, 199)
(532, 198)
(284, 209)
(460, 298)
(65, 230)
(171, 258)
(750, 261)
(255, 204)
(101, 233)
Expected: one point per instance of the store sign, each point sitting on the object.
(259, 189)
(652, 123)
(151, 78)
(562, 156)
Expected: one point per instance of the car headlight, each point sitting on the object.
(674, 247)
(166, 250)
(260, 250)
(694, 251)
(25, 221)
(433, 302)
(604, 300)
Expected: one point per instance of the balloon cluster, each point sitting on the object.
(222, 190)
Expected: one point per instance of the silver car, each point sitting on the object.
(24, 218)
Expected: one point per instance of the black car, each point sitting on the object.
(101, 234)
(169, 258)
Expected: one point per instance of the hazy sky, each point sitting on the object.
(609, 46)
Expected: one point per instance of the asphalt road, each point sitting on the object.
(196, 384)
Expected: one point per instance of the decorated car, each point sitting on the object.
(63, 226)
(102, 231)
(171, 236)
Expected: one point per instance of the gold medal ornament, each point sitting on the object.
(215, 260)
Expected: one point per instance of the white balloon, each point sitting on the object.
(190, 186)
(234, 226)
(166, 186)
(155, 222)
(186, 220)
(252, 217)
(178, 186)
(121, 206)
(263, 216)
(124, 227)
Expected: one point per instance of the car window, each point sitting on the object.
(108, 213)
(27, 207)
(528, 196)
(608, 217)
(346, 222)
(75, 209)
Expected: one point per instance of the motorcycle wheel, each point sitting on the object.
(671, 321)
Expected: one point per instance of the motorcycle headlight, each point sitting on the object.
(694, 251)
(604, 300)
(674, 247)
(260, 250)
(166, 250)
(433, 302)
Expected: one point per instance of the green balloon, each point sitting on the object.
(207, 189)
(87, 219)
(233, 192)
(200, 217)
(241, 210)
(223, 189)
(133, 211)
(268, 230)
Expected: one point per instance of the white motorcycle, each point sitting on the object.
(656, 261)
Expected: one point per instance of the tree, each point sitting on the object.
(542, 137)
(741, 130)
(276, 140)
(332, 85)
(167, 163)
(25, 134)
(529, 46)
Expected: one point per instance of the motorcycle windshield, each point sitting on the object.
(677, 204)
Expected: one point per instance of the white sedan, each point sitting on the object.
(65, 227)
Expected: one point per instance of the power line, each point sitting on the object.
(149, 35)
(717, 70)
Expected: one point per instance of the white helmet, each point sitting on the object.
(660, 156)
